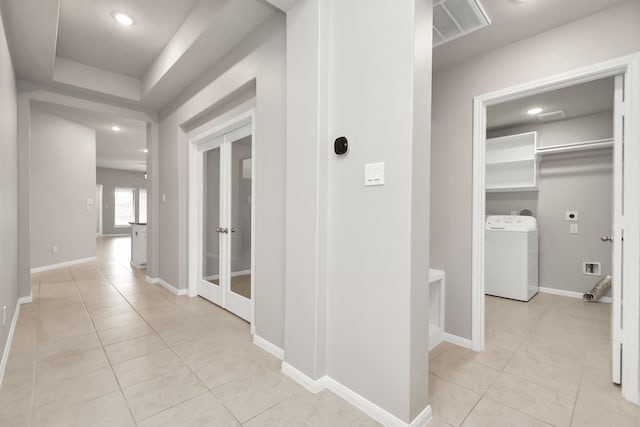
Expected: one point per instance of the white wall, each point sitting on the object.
(258, 59)
(8, 188)
(357, 257)
(609, 34)
(63, 176)
(580, 181)
(110, 179)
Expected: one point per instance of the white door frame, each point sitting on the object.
(630, 67)
(99, 190)
(197, 138)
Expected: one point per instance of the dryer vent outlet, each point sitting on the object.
(591, 269)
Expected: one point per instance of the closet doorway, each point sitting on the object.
(221, 228)
(626, 206)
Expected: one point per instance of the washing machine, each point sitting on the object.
(511, 256)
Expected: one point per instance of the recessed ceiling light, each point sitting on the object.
(534, 111)
(115, 128)
(123, 19)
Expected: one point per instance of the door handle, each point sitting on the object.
(607, 239)
(222, 230)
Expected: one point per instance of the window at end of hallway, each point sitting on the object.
(124, 207)
(142, 205)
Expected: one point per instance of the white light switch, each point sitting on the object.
(374, 174)
(573, 228)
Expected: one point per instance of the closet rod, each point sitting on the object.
(577, 146)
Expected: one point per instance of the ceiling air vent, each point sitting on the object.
(455, 18)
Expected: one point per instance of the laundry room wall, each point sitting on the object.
(599, 37)
(575, 181)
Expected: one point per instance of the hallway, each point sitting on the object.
(100, 346)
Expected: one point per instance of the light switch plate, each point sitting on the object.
(374, 174)
(573, 228)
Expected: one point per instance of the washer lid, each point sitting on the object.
(511, 223)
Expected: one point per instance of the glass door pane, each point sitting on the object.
(241, 179)
(211, 217)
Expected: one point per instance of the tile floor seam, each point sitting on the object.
(262, 412)
(228, 409)
(174, 352)
(470, 410)
(172, 406)
(121, 389)
(35, 354)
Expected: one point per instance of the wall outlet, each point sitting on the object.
(54, 249)
(571, 215)
(591, 269)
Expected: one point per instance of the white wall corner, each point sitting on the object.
(168, 286)
(357, 400)
(374, 411)
(268, 347)
(283, 5)
(26, 300)
(7, 347)
(314, 386)
(462, 342)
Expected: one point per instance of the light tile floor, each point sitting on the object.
(99, 346)
(547, 363)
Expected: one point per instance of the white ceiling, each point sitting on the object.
(88, 34)
(576, 101)
(77, 45)
(115, 150)
(513, 20)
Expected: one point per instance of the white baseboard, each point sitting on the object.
(26, 300)
(12, 329)
(570, 294)
(462, 342)
(374, 411)
(357, 400)
(62, 264)
(268, 347)
(166, 285)
(314, 386)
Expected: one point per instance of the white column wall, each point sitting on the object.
(376, 289)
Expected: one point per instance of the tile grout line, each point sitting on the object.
(501, 371)
(124, 397)
(172, 350)
(35, 354)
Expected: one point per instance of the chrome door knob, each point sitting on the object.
(222, 230)
(606, 239)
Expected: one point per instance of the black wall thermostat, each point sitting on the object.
(341, 146)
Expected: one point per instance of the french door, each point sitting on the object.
(225, 225)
